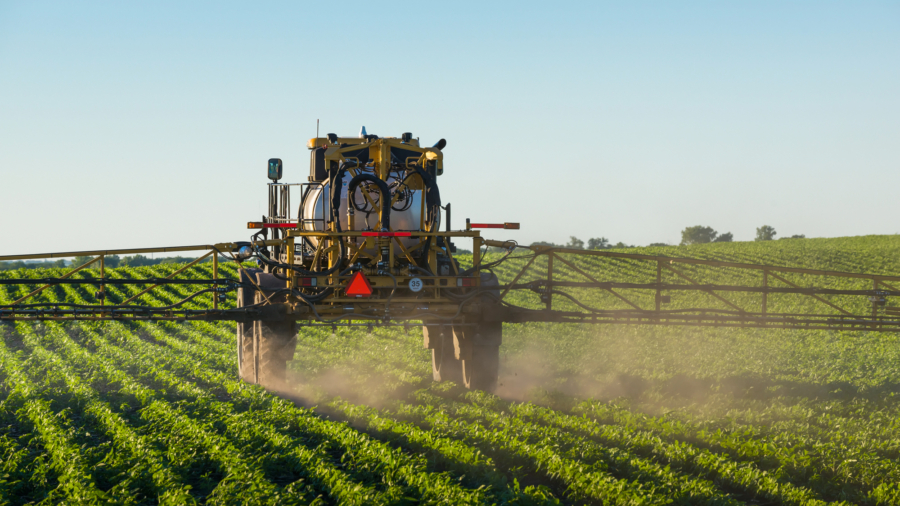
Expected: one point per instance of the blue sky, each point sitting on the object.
(128, 124)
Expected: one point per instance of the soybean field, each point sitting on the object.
(146, 413)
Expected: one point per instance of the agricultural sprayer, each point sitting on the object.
(372, 244)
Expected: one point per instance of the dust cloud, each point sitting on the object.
(352, 380)
(660, 369)
(559, 366)
(536, 372)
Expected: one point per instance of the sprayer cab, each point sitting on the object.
(383, 155)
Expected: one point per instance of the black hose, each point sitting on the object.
(421, 269)
(432, 204)
(336, 182)
(432, 193)
(405, 196)
(387, 303)
(272, 263)
(487, 266)
(385, 196)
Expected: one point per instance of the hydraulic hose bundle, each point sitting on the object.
(431, 195)
(385, 197)
(432, 204)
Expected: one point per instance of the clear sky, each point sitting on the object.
(135, 124)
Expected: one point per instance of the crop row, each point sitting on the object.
(800, 459)
(392, 467)
(748, 445)
(72, 471)
(623, 451)
(766, 449)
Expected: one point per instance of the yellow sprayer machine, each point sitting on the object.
(372, 244)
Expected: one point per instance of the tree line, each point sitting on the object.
(697, 234)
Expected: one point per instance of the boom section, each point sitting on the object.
(536, 284)
(604, 287)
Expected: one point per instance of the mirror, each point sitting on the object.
(275, 169)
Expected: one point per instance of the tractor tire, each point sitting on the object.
(444, 364)
(263, 347)
(479, 350)
(483, 371)
(246, 344)
(246, 352)
(275, 346)
(469, 354)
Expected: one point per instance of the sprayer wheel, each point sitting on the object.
(263, 347)
(444, 364)
(246, 352)
(483, 369)
(481, 366)
(275, 348)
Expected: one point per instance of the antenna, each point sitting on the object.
(317, 128)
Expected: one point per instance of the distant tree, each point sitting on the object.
(657, 244)
(18, 264)
(81, 260)
(798, 236)
(621, 244)
(544, 243)
(176, 260)
(698, 235)
(598, 243)
(136, 261)
(726, 237)
(112, 261)
(575, 243)
(765, 233)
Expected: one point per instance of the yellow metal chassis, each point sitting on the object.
(357, 244)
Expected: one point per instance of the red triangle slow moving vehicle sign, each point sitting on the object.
(359, 286)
